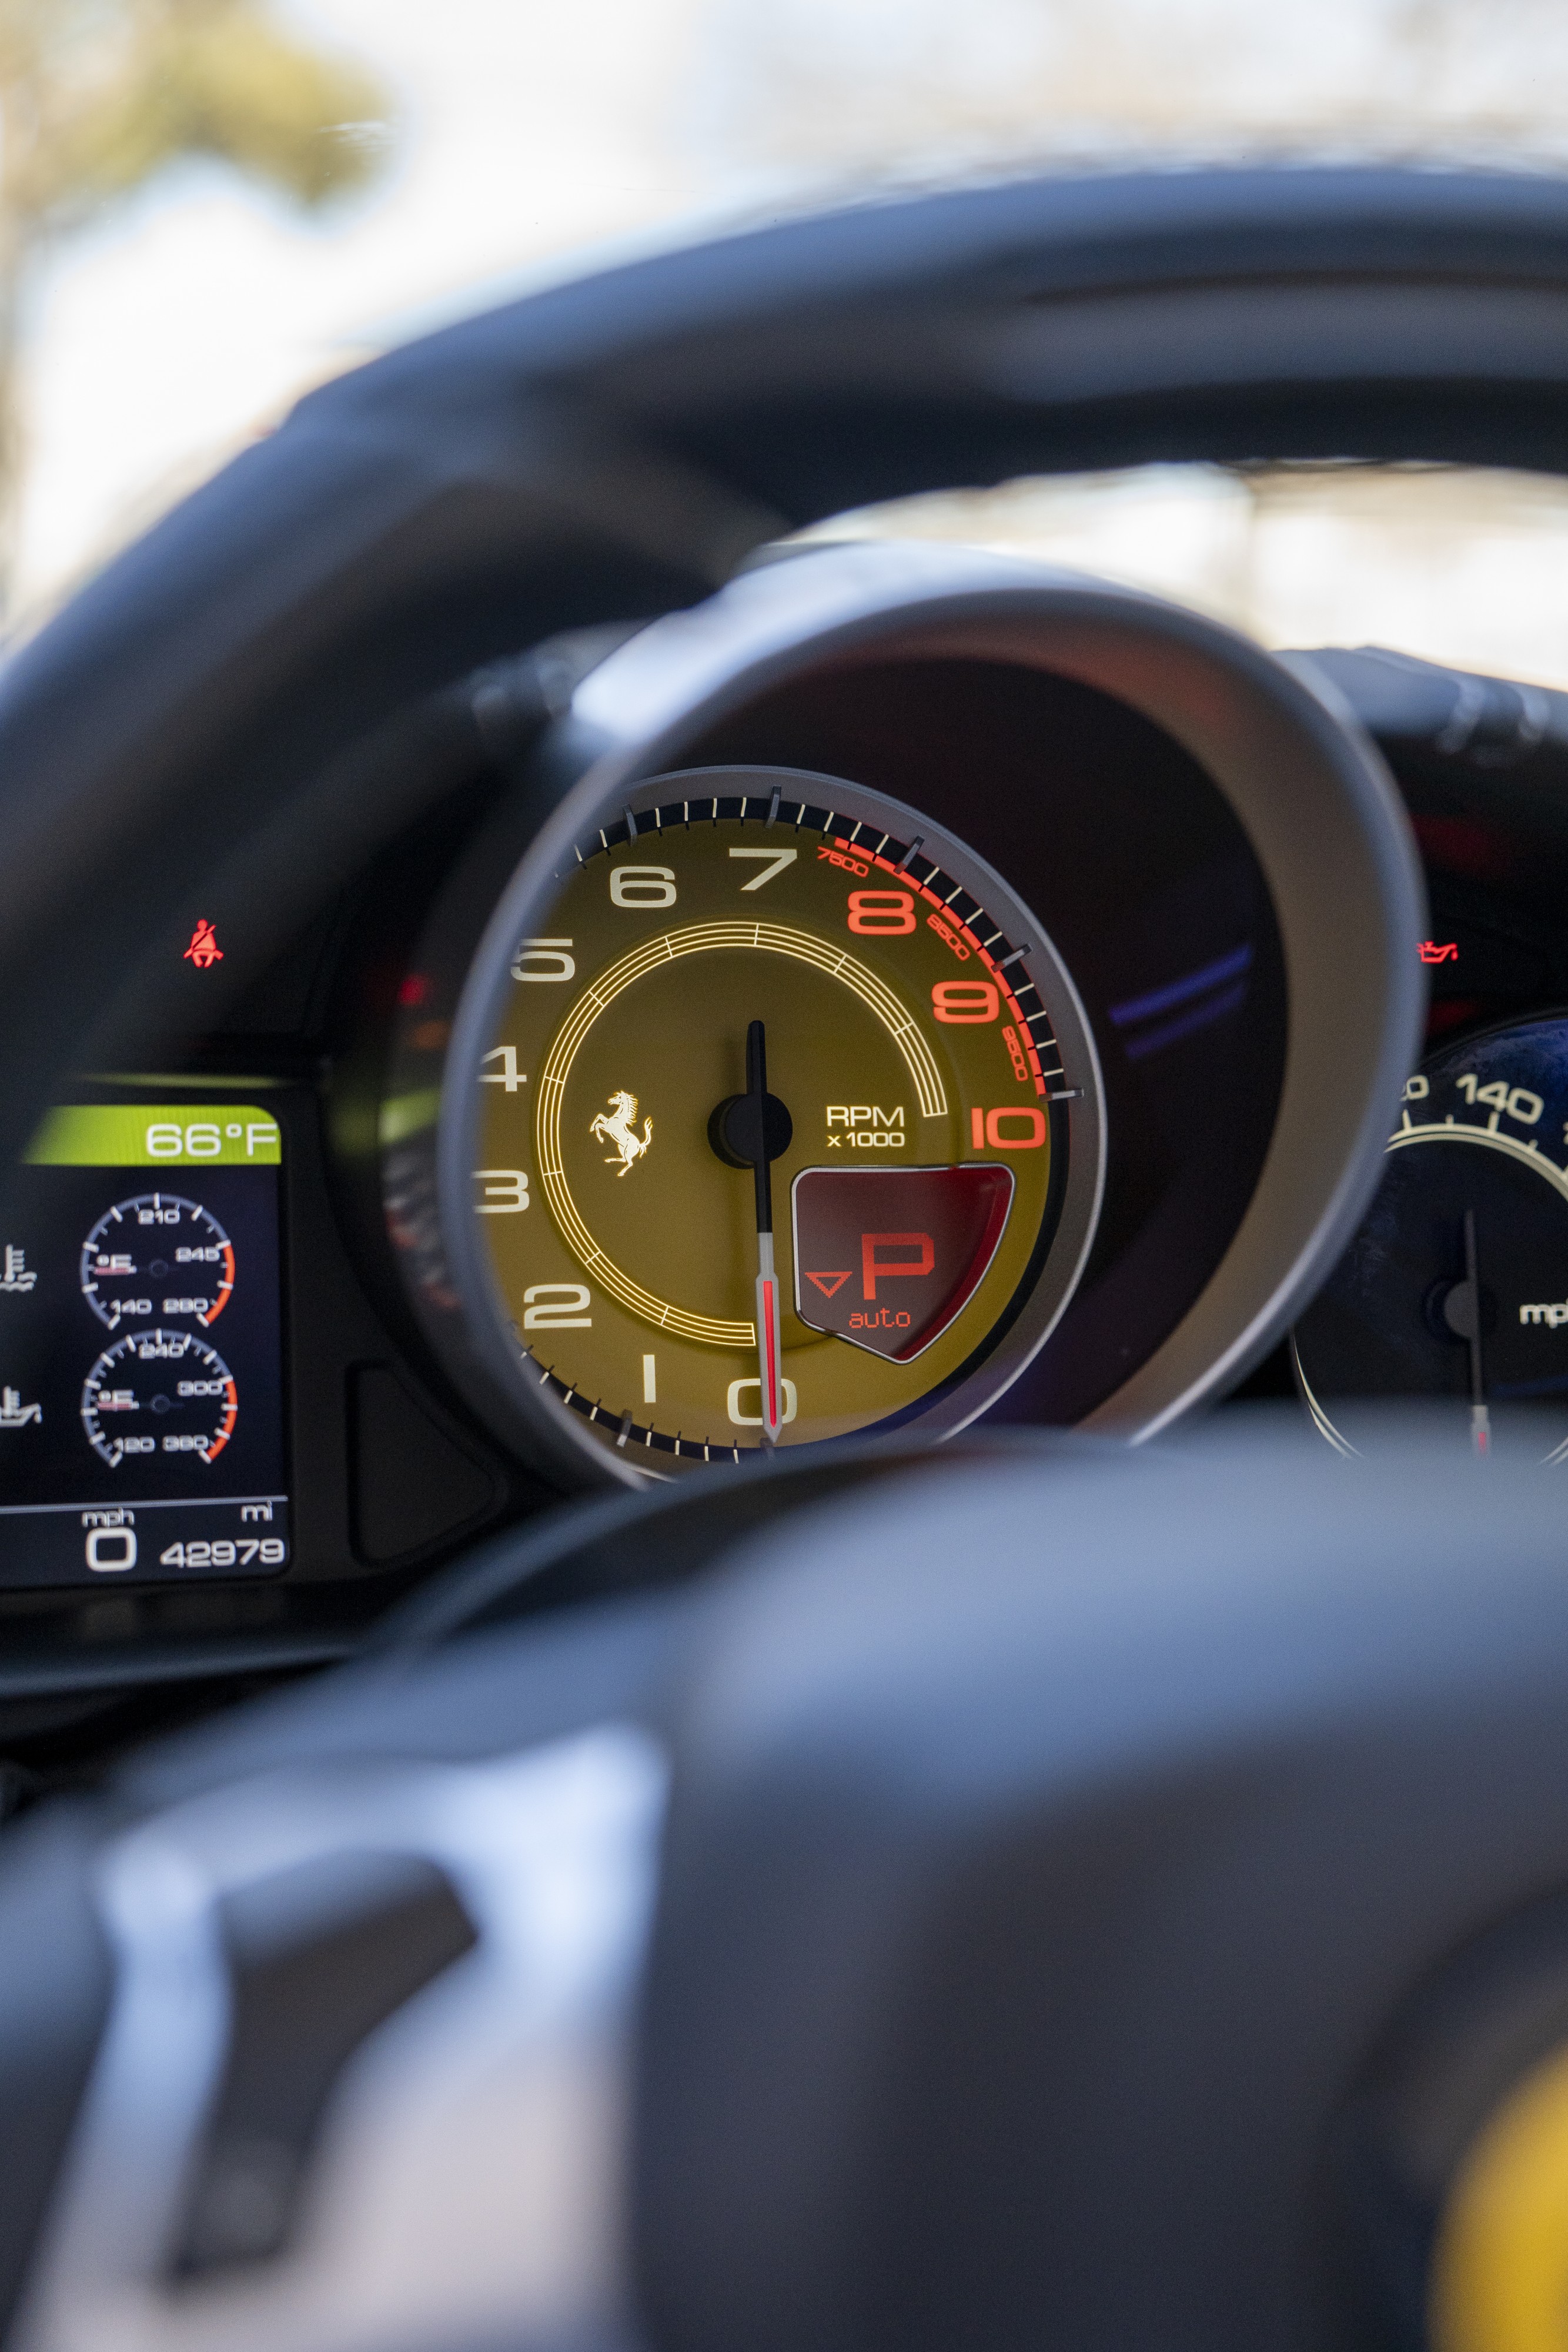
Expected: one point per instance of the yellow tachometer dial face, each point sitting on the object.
(913, 1119)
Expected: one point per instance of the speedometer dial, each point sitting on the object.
(781, 1100)
(1456, 1285)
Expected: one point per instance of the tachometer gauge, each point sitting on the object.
(1456, 1285)
(158, 1256)
(161, 1391)
(782, 1123)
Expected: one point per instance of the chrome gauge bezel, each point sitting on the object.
(1311, 796)
(1078, 1124)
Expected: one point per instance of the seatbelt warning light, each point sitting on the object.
(204, 951)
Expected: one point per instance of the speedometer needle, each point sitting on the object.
(769, 1344)
(1480, 1418)
(1462, 1314)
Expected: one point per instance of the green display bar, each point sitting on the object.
(157, 1135)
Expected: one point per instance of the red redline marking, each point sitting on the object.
(228, 1430)
(957, 923)
(224, 1288)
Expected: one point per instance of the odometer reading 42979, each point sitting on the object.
(776, 1120)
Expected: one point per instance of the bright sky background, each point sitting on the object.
(196, 317)
(533, 136)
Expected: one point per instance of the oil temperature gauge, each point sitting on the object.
(160, 1391)
(1456, 1285)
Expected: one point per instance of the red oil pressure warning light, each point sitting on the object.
(204, 951)
(888, 1257)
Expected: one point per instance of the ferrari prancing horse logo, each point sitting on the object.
(617, 1126)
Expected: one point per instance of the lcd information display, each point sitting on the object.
(141, 1348)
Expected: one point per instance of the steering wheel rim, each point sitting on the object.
(1028, 1941)
(614, 447)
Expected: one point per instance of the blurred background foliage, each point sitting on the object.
(98, 95)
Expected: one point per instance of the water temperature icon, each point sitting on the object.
(159, 1393)
(159, 1256)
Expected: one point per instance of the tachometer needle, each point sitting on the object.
(751, 1130)
(769, 1342)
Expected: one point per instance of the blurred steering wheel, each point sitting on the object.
(1058, 1898)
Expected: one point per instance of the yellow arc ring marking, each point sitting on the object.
(699, 939)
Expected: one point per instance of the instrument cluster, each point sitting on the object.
(913, 989)
(909, 1008)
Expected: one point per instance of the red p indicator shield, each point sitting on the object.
(888, 1257)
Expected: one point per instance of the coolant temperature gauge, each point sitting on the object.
(157, 1258)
